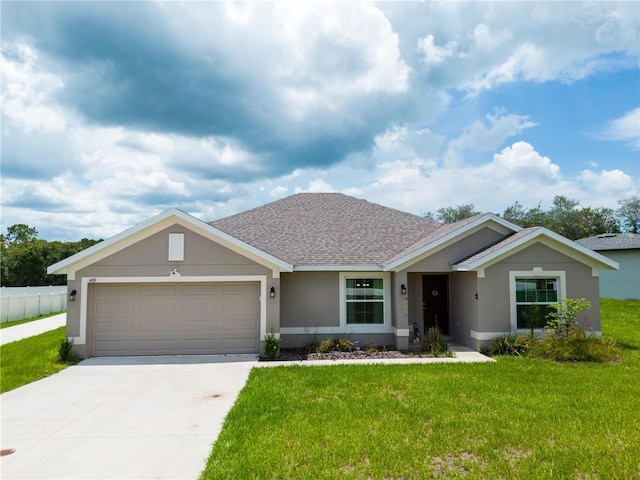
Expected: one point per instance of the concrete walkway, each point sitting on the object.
(462, 355)
(120, 418)
(31, 329)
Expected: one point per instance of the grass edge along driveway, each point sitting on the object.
(517, 418)
(30, 359)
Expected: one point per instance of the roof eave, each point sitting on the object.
(338, 268)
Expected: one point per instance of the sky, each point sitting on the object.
(113, 112)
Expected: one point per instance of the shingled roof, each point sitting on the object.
(505, 242)
(611, 241)
(328, 229)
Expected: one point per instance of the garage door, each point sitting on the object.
(175, 319)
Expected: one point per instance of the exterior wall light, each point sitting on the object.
(403, 289)
(72, 295)
(272, 292)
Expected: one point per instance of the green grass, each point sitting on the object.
(27, 320)
(30, 359)
(518, 418)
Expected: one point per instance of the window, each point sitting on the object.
(364, 299)
(533, 297)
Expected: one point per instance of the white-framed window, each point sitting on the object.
(531, 294)
(176, 247)
(364, 300)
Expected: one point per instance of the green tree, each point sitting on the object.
(524, 218)
(24, 257)
(629, 214)
(452, 214)
(565, 217)
(19, 233)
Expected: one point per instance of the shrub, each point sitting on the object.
(562, 320)
(508, 344)
(434, 343)
(312, 344)
(335, 344)
(271, 345)
(370, 347)
(576, 347)
(65, 351)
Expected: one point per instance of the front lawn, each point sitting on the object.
(517, 418)
(30, 359)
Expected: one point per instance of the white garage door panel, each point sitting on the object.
(171, 319)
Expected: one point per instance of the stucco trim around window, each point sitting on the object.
(366, 328)
(535, 272)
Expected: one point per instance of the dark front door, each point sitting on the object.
(435, 302)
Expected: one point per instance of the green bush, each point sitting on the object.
(576, 347)
(434, 343)
(508, 344)
(335, 344)
(65, 351)
(271, 345)
(562, 320)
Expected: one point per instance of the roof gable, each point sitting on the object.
(152, 226)
(522, 239)
(448, 234)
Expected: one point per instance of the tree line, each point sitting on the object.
(566, 217)
(25, 257)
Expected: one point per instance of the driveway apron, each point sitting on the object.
(121, 418)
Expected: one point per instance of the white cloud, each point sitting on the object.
(477, 46)
(431, 53)
(527, 62)
(478, 136)
(611, 181)
(485, 39)
(28, 89)
(316, 186)
(521, 163)
(279, 191)
(625, 129)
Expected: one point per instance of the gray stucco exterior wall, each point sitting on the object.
(622, 284)
(464, 306)
(310, 299)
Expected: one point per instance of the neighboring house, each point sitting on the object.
(623, 248)
(317, 264)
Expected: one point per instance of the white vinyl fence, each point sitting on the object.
(17, 303)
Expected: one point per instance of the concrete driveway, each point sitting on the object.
(124, 418)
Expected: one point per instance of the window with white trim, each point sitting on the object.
(533, 299)
(531, 292)
(364, 299)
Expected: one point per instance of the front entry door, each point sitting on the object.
(435, 302)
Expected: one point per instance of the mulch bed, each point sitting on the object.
(300, 355)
